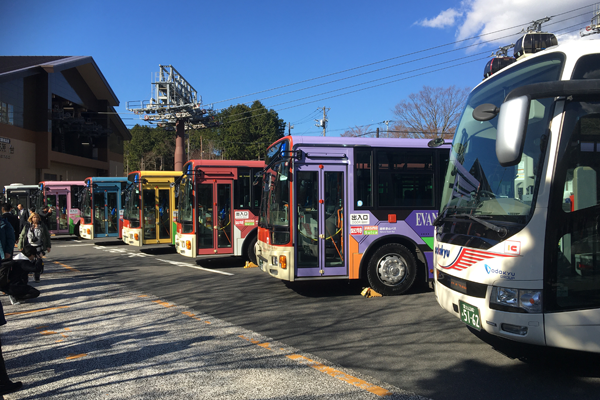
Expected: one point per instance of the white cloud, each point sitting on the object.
(500, 21)
(444, 19)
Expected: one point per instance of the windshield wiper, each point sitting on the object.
(500, 230)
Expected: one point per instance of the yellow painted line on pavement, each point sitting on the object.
(189, 314)
(163, 303)
(74, 356)
(66, 266)
(34, 311)
(377, 390)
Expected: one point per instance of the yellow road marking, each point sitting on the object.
(74, 356)
(66, 266)
(34, 311)
(189, 314)
(163, 303)
(379, 391)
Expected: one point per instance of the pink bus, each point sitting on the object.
(62, 198)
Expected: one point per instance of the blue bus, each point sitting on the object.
(101, 204)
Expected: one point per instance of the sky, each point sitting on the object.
(356, 59)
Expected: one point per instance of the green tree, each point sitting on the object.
(150, 149)
(245, 132)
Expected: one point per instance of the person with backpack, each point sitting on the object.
(36, 235)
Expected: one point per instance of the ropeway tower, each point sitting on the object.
(175, 105)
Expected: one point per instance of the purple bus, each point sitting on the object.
(350, 208)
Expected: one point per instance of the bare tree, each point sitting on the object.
(430, 113)
(358, 131)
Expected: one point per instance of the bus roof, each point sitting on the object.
(572, 49)
(107, 178)
(157, 173)
(227, 163)
(17, 186)
(355, 142)
(61, 183)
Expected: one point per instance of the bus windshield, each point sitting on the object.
(476, 185)
(132, 208)
(86, 205)
(275, 210)
(186, 203)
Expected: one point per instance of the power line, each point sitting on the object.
(400, 56)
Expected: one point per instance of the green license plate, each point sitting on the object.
(470, 315)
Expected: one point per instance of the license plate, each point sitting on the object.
(469, 315)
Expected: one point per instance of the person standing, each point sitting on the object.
(45, 215)
(6, 385)
(23, 216)
(36, 235)
(7, 242)
(12, 218)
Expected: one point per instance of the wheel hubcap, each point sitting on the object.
(392, 269)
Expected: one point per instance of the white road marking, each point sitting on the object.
(183, 264)
(74, 245)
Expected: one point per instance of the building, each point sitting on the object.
(57, 120)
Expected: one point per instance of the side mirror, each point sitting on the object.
(512, 125)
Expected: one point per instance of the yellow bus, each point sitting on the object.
(150, 208)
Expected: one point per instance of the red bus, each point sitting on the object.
(218, 208)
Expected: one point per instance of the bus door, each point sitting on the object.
(59, 220)
(320, 203)
(106, 212)
(214, 233)
(156, 215)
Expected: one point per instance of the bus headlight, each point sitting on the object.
(516, 300)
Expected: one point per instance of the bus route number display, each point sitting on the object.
(470, 315)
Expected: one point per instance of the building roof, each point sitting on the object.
(14, 66)
(15, 63)
(20, 66)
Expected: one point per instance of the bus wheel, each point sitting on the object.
(250, 254)
(392, 269)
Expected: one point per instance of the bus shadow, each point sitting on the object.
(220, 262)
(157, 251)
(341, 287)
(109, 242)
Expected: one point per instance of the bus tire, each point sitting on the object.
(77, 234)
(392, 269)
(250, 253)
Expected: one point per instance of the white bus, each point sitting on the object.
(517, 251)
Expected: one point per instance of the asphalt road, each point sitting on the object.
(407, 341)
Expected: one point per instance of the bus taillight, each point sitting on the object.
(188, 245)
(136, 236)
(283, 262)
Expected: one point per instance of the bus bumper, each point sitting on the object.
(494, 322)
(86, 231)
(132, 236)
(186, 244)
(270, 259)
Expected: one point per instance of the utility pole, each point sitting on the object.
(377, 133)
(323, 122)
(290, 127)
(387, 128)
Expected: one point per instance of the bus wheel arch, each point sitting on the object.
(391, 267)
(248, 249)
